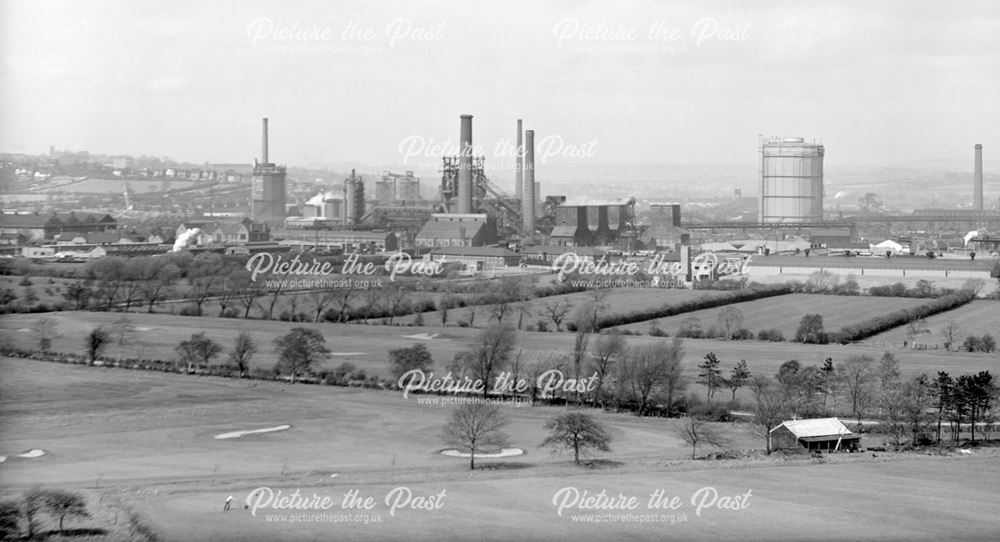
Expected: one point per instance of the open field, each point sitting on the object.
(785, 312)
(617, 301)
(976, 318)
(367, 346)
(146, 439)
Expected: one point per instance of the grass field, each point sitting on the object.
(976, 318)
(617, 301)
(785, 312)
(146, 439)
(367, 346)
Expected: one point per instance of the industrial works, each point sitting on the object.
(466, 216)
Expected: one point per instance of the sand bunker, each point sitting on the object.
(504, 452)
(145, 328)
(347, 353)
(238, 434)
(3, 458)
(31, 454)
(424, 337)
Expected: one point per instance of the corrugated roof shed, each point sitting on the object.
(815, 427)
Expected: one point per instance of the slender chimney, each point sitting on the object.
(465, 166)
(977, 180)
(263, 145)
(528, 200)
(519, 164)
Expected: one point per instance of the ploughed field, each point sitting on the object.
(148, 440)
(785, 312)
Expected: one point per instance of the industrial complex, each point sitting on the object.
(390, 211)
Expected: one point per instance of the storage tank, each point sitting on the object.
(408, 189)
(354, 199)
(791, 180)
(385, 190)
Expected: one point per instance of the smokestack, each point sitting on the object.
(977, 180)
(263, 144)
(528, 200)
(465, 166)
(519, 164)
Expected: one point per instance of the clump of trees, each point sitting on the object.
(58, 504)
(402, 360)
(298, 350)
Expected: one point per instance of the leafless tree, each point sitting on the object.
(607, 350)
(858, 375)
(770, 407)
(475, 427)
(556, 311)
(491, 353)
(45, 331)
(697, 430)
(951, 332)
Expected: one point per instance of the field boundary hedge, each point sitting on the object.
(885, 322)
(726, 298)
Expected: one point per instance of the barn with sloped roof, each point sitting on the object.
(821, 434)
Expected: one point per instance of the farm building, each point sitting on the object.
(822, 434)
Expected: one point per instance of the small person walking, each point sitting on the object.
(229, 503)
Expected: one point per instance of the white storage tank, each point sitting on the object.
(791, 180)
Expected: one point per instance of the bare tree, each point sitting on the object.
(299, 349)
(242, 352)
(858, 375)
(597, 304)
(578, 432)
(770, 407)
(476, 426)
(94, 343)
(121, 333)
(158, 282)
(916, 328)
(951, 332)
(322, 300)
(653, 372)
(45, 331)
(556, 311)
(491, 353)
(396, 300)
(697, 430)
(607, 350)
(730, 320)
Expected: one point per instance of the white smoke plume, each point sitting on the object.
(970, 236)
(186, 239)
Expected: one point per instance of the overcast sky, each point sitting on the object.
(880, 83)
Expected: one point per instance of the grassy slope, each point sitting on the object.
(785, 312)
(146, 437)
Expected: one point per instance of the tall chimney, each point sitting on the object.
(465, 166)
(977, 180)
(528, 192)
(263, 145)
(519, 164)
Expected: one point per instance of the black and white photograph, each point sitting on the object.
(554, 270)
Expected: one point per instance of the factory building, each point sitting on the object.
(393, 187)
(791, 181)
(593, 224)
(450, 230)
(267, 189)
(39, 227)
(664, 230)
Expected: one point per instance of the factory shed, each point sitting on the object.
(450, 230)
(820, 434)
